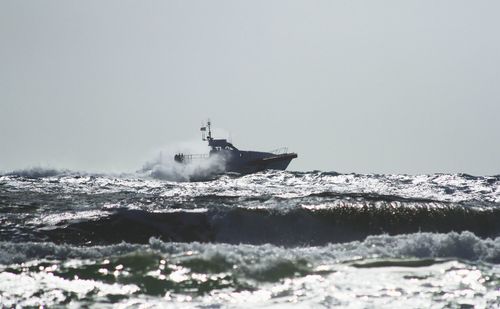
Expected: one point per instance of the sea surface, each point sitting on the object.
(272, 239)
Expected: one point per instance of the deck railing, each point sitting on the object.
(279, 151)
(191, 157)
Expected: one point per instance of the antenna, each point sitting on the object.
(203, 129)
(209, 137)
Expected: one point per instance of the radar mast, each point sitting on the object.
(209, 137)
(203, 129)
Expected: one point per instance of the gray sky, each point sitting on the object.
(352, 86)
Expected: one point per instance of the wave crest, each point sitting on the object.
(38, 172)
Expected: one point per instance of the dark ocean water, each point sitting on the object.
(310, 239)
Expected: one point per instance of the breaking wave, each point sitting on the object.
(464, 245)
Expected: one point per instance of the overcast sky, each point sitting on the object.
(351, 86)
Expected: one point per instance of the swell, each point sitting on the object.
(297, 227)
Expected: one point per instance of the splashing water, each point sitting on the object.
(275, 238)
(203, 169)
(165, 168)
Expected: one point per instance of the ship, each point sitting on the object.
(235, 160)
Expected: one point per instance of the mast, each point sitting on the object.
(209, 137)
(204, 129)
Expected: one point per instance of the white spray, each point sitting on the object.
(165, 167)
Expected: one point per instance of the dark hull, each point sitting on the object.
(247, 162)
